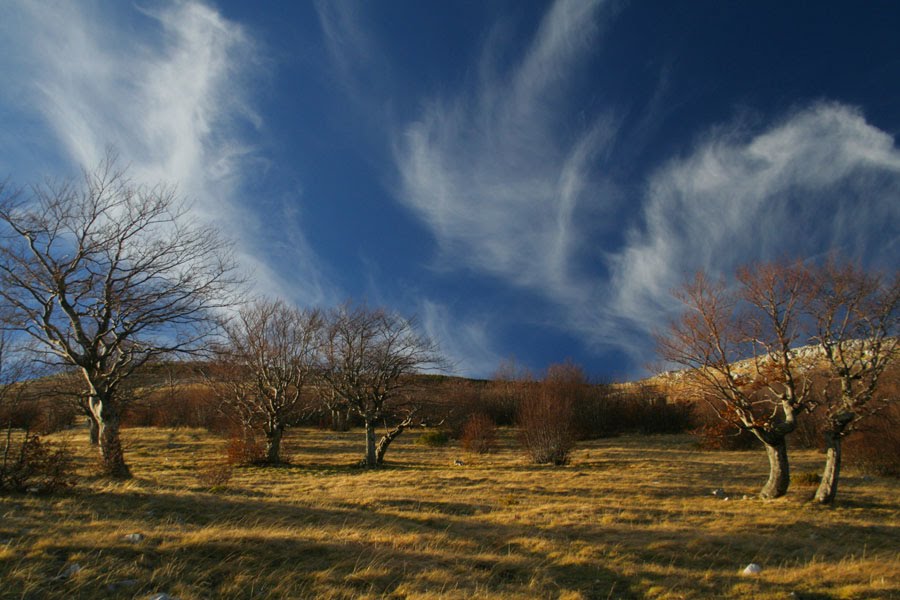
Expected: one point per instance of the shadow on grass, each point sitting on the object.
(196, 546)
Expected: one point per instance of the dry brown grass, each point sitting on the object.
(629, 517)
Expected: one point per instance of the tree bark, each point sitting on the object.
(112, 458)
(371, 456)
(389, 437)
(779, 470)
(829, 485)
(273, 444)
(93, 430)
(111, 455)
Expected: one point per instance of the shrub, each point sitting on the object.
(245, 449)
(604, 411)
(30, 464)
(875, 448)
(546, 415)
(479, 434)
(433, 438)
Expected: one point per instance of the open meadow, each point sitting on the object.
(629, 517)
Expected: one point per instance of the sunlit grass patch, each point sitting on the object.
(629, 517)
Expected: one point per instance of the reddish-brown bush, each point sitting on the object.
(245, 449)
(875, 447)
(546, 414)
(479, 434)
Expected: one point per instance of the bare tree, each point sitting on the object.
(261, 373)
(737, 345)
(338, 408)
(14, 389)
(856, 320)
(368, 358)
(106, 275)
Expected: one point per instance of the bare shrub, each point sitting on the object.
(479, 434)
(245, 449)
(546, 415)
(502, 397)
(31, 464)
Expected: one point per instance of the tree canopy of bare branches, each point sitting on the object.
(261, 372)
(737, 344)
(368, 358)
(106, 275)
(855, 318)
(757, 350)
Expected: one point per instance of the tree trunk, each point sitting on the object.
(273, 444)
(339, 421)
(389, 437)
(779, 471)
(829, 484)
(93, 430)
(371, 456)
(112, 457)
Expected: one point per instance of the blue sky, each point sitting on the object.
(530, 179)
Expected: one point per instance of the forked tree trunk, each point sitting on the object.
(829, 485)
(371, 456)
(389, 437)
(112, 458)
(779, 471)
(273, 444)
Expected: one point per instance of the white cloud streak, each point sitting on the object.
(167, 87)
(490, 174)
(493, 174)
(822, 179)
(465, 342)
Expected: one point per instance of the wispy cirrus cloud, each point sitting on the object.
(168, 88)
(489, 170)
(821, 179)
(465, 342)
(501, 182)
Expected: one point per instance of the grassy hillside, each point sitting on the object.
(630, 517)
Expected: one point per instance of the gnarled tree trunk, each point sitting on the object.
(389, 437)
(93, 429)
(779, 470)
(371, 453)
(273, 444)
(112, 459)
(829, 485)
